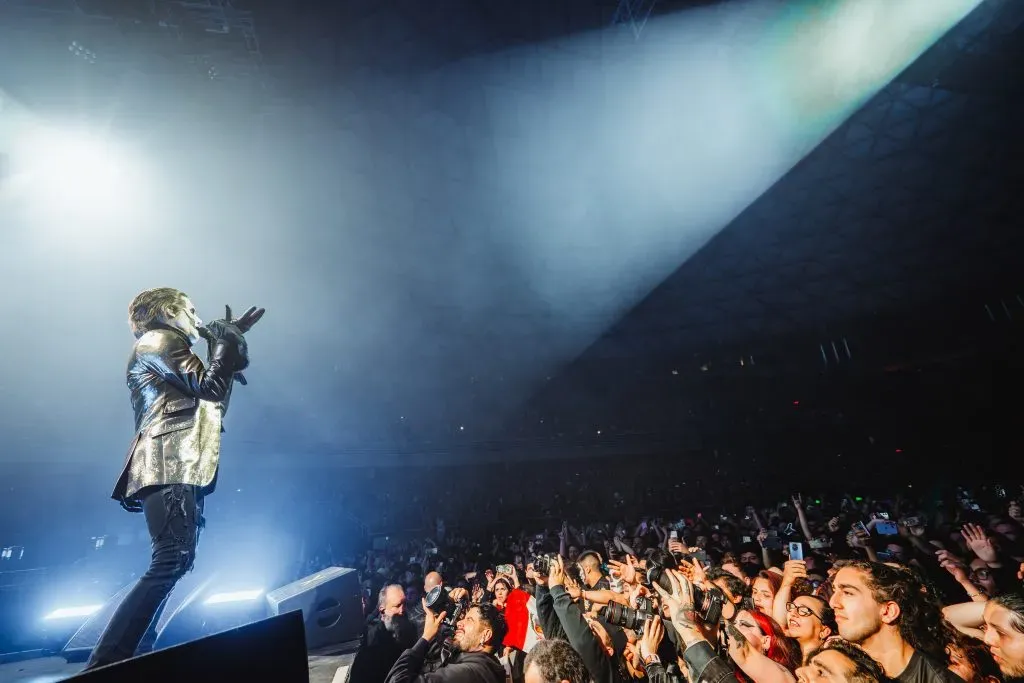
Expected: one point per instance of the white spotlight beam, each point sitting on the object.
(73, 612)
(233, 596)
(720, 103)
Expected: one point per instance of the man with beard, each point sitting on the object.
(478, 635)
(1004, 633)
(388, 632)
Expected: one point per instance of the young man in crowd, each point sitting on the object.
(886, 611)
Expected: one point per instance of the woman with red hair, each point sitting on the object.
(763, 589)
(761, 650)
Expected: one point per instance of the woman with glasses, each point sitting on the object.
(806, 618)
(809, 621)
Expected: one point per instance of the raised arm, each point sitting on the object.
(756, 665)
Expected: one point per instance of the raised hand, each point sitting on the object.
(793, 570)
(680, 601)
(228, 326)
(248, 319)
(952, 565)
(635, 594)
(700, 578)
(979, 542)
(624, 571)
(556, 572)
(654, 631)
(431, 622)
(686, 569)
(573, 588)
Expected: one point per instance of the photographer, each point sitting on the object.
(477, 636)
(600, 646)
(549, 623)
(703, 663)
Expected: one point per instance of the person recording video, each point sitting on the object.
(693, 625)
(478, 634)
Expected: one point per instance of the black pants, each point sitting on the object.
(174, 515)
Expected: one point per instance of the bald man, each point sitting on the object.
(431, 581)
(416, 614)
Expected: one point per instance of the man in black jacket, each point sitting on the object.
(599, 644)
(478, 635)
(388, 633)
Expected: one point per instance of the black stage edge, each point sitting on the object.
(347, 648)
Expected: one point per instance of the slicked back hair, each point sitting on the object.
(150, 304)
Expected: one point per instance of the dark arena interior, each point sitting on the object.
(731, 283)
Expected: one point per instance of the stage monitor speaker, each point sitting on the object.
(273, 649)
(330, 604)
(80, 646)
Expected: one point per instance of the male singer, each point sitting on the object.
(172, 461)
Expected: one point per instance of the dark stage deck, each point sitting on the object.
(322, 669)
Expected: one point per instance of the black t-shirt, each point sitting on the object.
(923, 669)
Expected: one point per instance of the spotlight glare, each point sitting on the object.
(69, 612)
(233, 596)
(76, 174)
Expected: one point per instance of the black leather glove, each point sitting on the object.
(231, 331)
(227, 352)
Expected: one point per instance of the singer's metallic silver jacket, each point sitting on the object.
(179, 410)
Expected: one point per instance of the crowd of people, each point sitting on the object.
(848, 588)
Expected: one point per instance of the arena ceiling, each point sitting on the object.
(914, 200)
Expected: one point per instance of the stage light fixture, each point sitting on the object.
(79, 50)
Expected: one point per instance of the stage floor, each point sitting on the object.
(322, 669)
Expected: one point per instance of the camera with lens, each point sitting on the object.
(542, 563)
(707, 604)
(439, 601)
(627, 617)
